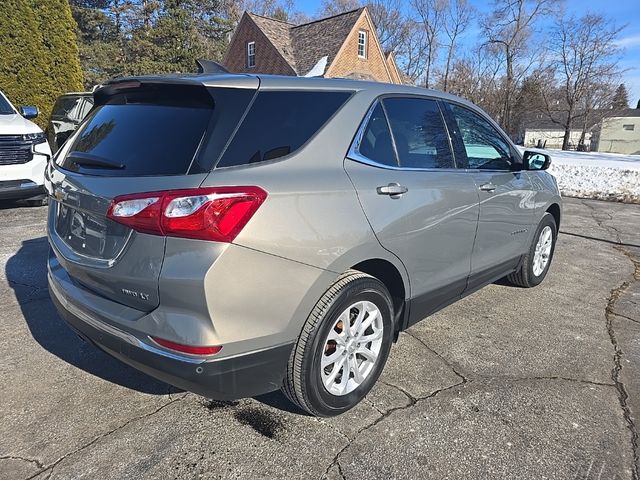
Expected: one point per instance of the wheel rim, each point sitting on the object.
(543, 251)
(351, 348)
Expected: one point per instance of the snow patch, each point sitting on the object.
(601, 176)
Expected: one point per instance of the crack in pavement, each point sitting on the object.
(24, 459)
(625, 317)
(51, 466)
(614, 295)
(622, 394)
(466, 376)
(413, 401)
(440, 356)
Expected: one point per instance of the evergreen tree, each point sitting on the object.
(98, 41)
(621, 97)
(57, 29)
(23, 60)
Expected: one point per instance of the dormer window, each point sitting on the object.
(251, 54)
(362, 44)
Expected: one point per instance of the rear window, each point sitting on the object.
(157, 131)
(279, 123)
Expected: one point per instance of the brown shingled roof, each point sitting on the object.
(302, 46)
(314, 40)
(279, 34)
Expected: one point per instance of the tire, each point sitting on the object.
(528, 274)
(304, 384)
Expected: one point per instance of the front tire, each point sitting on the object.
(343, 346)
(536, 262)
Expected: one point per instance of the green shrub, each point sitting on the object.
(38, 53)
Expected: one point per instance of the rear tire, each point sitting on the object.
(353, 356)
(537, 260)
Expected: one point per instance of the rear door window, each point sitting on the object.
(157, 131)
(279, 123)
(419, 133)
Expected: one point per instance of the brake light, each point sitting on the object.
(212, 213)
(191, 350)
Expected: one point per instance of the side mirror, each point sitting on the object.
(535, 160)
(29, 112)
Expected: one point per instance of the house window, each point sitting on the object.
(251, 54)
(362, 44)
(629, 127)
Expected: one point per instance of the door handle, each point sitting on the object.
(487, 187)
(394, 190)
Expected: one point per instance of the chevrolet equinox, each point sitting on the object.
(237, 234)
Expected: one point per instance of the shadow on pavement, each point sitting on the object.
(26, 272)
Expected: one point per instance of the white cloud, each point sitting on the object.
(629, 42)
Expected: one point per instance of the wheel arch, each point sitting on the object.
(390, 276)
(554, 209)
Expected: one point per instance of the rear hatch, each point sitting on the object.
(144, 135)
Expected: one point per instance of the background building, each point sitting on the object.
(344, 45)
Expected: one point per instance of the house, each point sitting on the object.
(539, 130)
(619, 133)
(614, 131)
(344, 45)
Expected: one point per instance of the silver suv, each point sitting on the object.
(237, 234)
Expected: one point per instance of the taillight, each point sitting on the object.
(191, 350)
(212, 213)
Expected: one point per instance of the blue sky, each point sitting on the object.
(622, 12)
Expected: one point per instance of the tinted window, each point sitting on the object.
(376, 143)
(279, 123)
(85, 107)
(5, 107)
(66, 108)
(419, 133)
(484, 146)
(146, 139)
(158, 131)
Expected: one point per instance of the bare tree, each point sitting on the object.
(508, 28)
(329, 8)
(587, 58)
(457, 17)
(431, 16)
(392, 26)
(476, 78)
(411, 53)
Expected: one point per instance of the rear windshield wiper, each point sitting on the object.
(88, 160)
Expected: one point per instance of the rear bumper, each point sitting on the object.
(228, 378)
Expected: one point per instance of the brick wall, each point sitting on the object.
(348, 63)
(268, 60)
(393, 69)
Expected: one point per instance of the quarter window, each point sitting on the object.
(280, 122)
(419, 133)
(376, 143)
(484, 146)
(362, 44)
(251, 54)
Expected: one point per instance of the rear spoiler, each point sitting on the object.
(208, 66)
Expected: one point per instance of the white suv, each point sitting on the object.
(23, 153)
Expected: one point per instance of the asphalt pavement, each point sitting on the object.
(507, 383)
